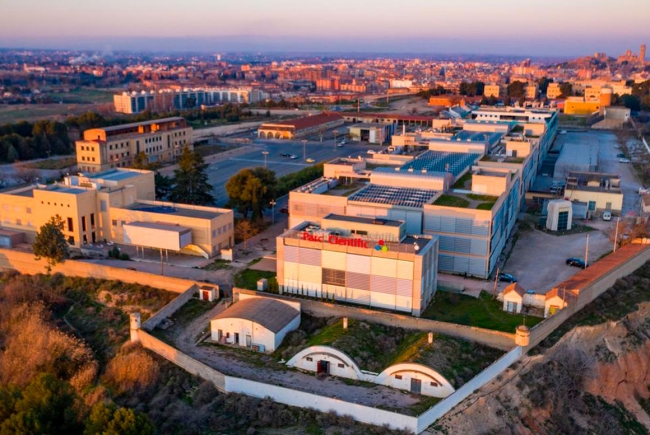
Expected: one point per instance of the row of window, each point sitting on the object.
(48, 203)
(18, 209)
(18, 222)
(87, 148)
(221, 230)
(118, 145)
(179, 133)
(87, 159)
(153, 139)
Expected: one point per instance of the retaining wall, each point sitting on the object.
(496, 339)
(587, 294)
(24, 262)
(170, 308)
(429, 417)
(230, 384)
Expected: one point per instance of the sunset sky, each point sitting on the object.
(551, 27)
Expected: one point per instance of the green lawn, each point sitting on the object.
(484, 312)
(53, 163)
(451, 201)
(247, 278)
(460, 183)
(486, 198)
(485, 206)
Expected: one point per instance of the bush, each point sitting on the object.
(124, 256)
(132, 370)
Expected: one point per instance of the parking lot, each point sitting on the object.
(538, 259)
(220, 171)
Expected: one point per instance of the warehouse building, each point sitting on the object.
(300, 127)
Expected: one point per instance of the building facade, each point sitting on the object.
(118, 206)
(161, 140)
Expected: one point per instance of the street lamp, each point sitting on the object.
(304, 149)
(273, 212)
(266, 153)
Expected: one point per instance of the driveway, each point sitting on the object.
(538, 259)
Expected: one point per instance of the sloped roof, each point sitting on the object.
(267, 312)
(514, 287)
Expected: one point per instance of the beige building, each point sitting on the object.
(118, 206)
(599, 190)
(553, 91)
(492, 91)
(162, 140)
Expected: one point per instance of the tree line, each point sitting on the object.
(25, 140)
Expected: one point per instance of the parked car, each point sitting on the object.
(576, 262)
(562, 131)
(310, 160)
(293, 156)
(506, 277)
(620, 156)
(285, 155)
(624, 160)
(607, 215)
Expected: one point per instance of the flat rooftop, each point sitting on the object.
(138, 124)
(113, 175)
(363, 220)
(400, 196)
(65, 189)
(477, 136)
(177, 211)
(160, 226)
(439, 161)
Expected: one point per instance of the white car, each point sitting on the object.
(607, 215)
(624, 160)
(371, 152)
(293, 156)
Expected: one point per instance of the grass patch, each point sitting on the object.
(248, 278)
(451, 201)
(208, 150)
(484, 312)
(485, 206)
(486, 198)
(53, 163)
(218, 265)
(460, 183)
(191, 310)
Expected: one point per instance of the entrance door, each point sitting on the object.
(323, 367)
(416, 386)
(563, 221)
(237, 338)
(249, 341)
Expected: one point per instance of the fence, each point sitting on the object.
(496, 339)
(24, 262)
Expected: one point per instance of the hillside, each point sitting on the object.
(591, 377)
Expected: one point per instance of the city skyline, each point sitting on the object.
(475, 27)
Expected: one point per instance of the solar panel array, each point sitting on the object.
(439, 161)
(402, 196)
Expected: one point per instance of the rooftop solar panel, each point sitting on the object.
(438, 161)
(401, 196)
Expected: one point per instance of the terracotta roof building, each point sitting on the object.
(299, 127)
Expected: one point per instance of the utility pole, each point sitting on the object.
(587, 253)
(266, 153)
(273, 212)
(496, 279)
(616, 234)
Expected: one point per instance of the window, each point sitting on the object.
(114, 222)
(434, 384)
(102, 205)
(83, 223)
(341, 366)
(398, 376)
(70, 228)
(309, 358)
(334, 277)
(29, 210)
(92, 220)
(71, 240)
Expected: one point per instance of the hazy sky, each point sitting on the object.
(528, 27)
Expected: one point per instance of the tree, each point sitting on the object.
(140, 161)
(164, 186)
(244, 230)
(251, 190)
(47, 406)
(566, 90)
(543, 84)
(517, 89)
(50, 243)
(191, 181)
(111, 420)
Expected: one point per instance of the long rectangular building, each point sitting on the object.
(161, 140)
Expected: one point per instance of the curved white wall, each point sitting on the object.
(396, 376)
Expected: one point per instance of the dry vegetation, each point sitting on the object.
(66, 368)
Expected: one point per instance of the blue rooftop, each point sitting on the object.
(114, 175)
(64, 189)
(439, 161)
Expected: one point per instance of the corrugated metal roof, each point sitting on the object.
(269, 313)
